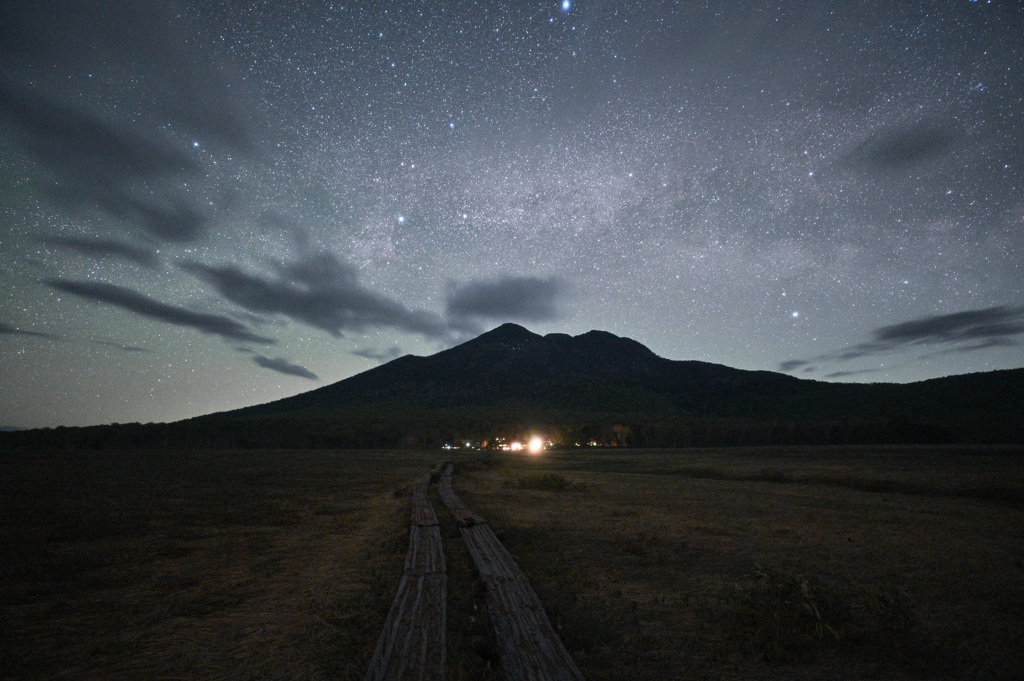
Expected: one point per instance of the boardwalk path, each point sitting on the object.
(528, 647)
(412, 644)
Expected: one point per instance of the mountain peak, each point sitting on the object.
(508, 333)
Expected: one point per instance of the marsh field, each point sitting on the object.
(766, 563)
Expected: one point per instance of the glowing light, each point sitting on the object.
(566, 5)
(516, 446)
(536, 445)
(401, 218)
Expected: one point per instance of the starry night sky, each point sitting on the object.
(209, 205)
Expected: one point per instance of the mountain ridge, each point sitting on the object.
(600, 372)
(593, 387)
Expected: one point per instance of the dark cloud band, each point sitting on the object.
(283, 366)
(320, 291)
(139, 304)
(529, 299)
(970, 330)
(106, 248)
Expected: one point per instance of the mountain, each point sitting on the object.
(512, 368)
(592, 387)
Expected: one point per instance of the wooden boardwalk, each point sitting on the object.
(528, 647)
(412, 644)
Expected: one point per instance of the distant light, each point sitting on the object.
(452, 125)
(794, 315)
(401, 218)
(566, 5)
(195, 144)
(516, 446)
(536, 444)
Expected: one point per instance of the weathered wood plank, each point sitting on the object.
(426, 554)
(412, 644)
(463, 516)
(528, 646)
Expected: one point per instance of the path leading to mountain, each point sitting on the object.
(412, 644)
(528, 647)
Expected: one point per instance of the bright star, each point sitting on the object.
(795, 314)
(401, 218)
(566, 5)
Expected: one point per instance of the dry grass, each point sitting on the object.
(188, 565)
(772, 563)
(764, 563)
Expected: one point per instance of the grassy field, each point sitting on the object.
(878, 563)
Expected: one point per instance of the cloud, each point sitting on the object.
(529, 299)
(133, 301)
(843, 374)
(123, 348)
(136, 163)
(82, 149)
(8, 330)
(106, 248)
(902, 147)
(967, 331)
(318, 290)
(985, 325)
(154, 46)
(394, 352)
(94, 164)
(283, 366)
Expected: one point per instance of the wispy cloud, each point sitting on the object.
(131, 163)
(94, 163)
(967, 331)
(121, 346)
(106, 248)
(8, 330)
(529, 299)
(320, 291)
(386, 355)
(985, 325)
(902, 147)
(139, 304)
(283, 366)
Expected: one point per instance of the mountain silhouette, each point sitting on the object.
(594, 387)
(514, 368)
(510, 375)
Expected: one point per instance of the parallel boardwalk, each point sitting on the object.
(528, 646)
(412, 644)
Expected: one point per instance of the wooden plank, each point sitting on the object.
(528, 646)
(426, 554)
(463, 516)
(412, 644)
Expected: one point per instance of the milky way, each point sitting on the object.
(211, 205)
